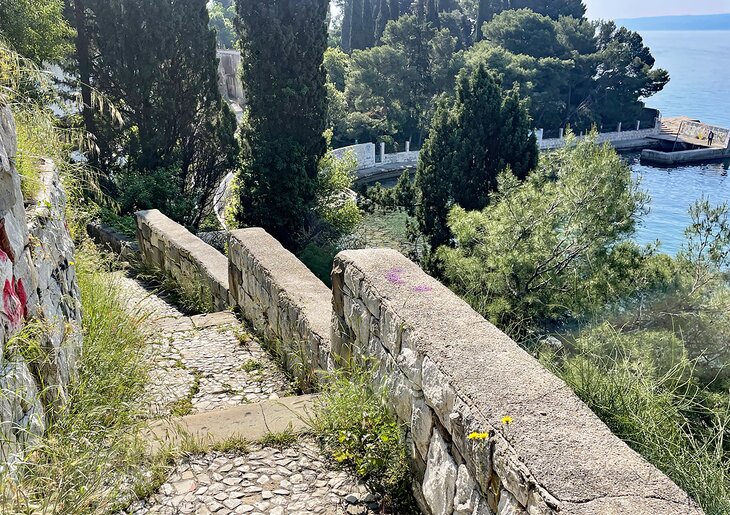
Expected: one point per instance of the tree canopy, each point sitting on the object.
(36, 29)
(283, 44)
(474, 138)
(553, 246)
(156, 61)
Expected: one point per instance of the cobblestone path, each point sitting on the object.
(296, 480)
(202, 363)
(207, 363)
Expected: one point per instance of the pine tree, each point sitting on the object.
(283, 44)
(472, 139)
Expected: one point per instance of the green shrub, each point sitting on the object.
(641, 385)
(354, 427)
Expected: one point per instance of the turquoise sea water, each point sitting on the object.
(699, 65)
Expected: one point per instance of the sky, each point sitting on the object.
(612, 9)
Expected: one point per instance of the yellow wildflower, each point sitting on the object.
(507, 420)
(478, 436)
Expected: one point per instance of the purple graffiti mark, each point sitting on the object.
(394, 276)
(422, 288)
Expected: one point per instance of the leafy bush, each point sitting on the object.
(355, 428)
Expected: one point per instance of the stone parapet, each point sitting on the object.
(169, 247)
(449, 373)
(617, 139)
(283, 300)
(112, 240)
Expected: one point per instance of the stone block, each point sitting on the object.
(421, 425)
(508, 505)
(467, 497)
(391, 329)
(439, 482)
(438, 392)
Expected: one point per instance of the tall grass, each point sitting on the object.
(91, 454)
(678, 427)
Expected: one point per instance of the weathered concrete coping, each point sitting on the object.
(250, 421)
(171, 247)
(472, 375)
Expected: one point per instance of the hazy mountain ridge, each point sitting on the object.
(689, 22)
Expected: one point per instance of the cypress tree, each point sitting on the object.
(156, 61)
(427, 10)
(358, 31)
(282, 44)
(382, 19)
(346, 26)
(482, 132)
(368, 23)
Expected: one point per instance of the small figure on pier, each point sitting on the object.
(710, 137)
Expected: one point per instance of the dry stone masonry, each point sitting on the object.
(175, 251)
(449, 374)
(282, 299)
(40, 295)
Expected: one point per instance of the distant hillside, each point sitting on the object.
(701, 22)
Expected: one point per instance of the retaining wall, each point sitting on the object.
(283, 300)
(114, 241)
(363, 153)
(37, 269)
(169, 247)
(449, 373)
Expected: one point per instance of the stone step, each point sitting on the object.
(250, 421)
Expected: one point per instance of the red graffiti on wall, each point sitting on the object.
(15, 302)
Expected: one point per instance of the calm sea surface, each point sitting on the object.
(699, 65)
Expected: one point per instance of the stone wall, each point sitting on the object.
(282, 299)
(364, 154)
(173, 250)
(229, 75)
(615, 138)
(400, 157)
(40, 314)
(450, 373)
(113, 241)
